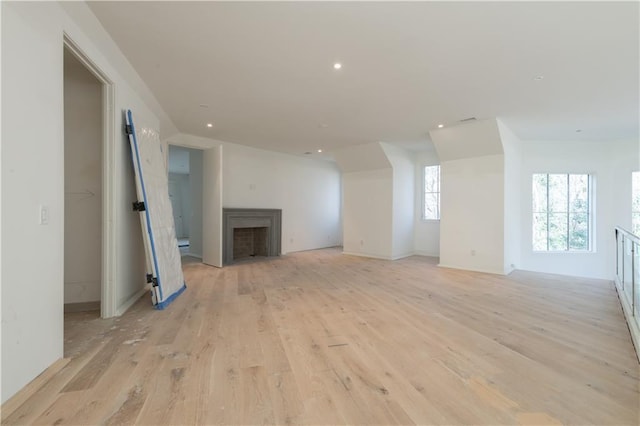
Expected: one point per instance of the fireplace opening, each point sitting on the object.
(250, 242)
(250, 233)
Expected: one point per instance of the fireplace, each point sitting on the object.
(249, 242)
(248, 233)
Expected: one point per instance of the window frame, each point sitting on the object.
(590, 212)
(634, 213)
(424, 193)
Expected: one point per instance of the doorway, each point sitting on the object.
(185, 192)
(82, 187)
(89, 237)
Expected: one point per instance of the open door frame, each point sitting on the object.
(212, 206)
(108, 300)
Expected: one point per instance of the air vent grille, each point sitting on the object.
(468, 119)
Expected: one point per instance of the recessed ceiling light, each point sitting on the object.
(204, 106)
(319, 150)
(538, 77)
(337, 65)
(578, 130)
(440, 126)
(323, 125)
(307, 153)
(209, 124)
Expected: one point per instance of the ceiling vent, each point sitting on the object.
(464, 120)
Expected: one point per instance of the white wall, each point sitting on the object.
(472, 214)
(181, 182)
(307, 191)
(512, 198)
(82, 183)
(472, 197)
(403, 211)
(33, 172)
(611, 163)
(212, 196)
(195, 185)
(367, 213)
(367, 203)
(426, 237)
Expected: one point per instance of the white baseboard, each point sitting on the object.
(402, 256)
(372, 256)
(426, 253)
(376, 256)
(133, 299)
(485, 271)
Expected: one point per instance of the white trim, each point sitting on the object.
(372, 256)
(108, 300)
(375, 256)
(485, 271)
(402, 256)
(425, 253)
(133, 299)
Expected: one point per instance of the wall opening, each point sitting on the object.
(185, 193)
(89, 190)
(83, 184)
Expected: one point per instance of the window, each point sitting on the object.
(431, 193)
(635, 203)
(561, 212)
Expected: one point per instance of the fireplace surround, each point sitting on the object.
(238, 218)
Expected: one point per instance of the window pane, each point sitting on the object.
(431, 179)
(635, 228)
(561, 212)
(431, 206)
(558, 193)
(539, 193)
(540, 231)
(635, 203)
(432, 192)
(558, 231)
(578, 231)
(579, 193)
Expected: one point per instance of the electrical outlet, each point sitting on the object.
(44, 215)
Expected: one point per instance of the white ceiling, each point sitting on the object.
(265, 69)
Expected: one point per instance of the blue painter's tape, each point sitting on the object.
(171, 298)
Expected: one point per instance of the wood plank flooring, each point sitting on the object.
(323, 338)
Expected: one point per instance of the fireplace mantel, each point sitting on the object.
(233, 218)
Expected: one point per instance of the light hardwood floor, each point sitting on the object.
(323, 338)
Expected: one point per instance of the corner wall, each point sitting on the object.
(403, 200)
(512, 198)
(472, 198)
(367, 206)
(367, 213)
(33, 171)
(472, 220)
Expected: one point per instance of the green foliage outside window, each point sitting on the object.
(561, 212)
